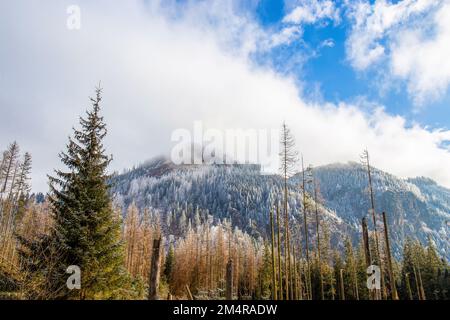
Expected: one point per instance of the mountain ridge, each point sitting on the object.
(415, 207)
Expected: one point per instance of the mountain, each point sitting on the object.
(416, 208)
(184, 194)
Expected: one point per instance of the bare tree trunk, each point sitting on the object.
(294, 288)
(8, 210)
(408, 286)
(322, 295)
(229, 280)
(394, 294)
(11, 157)
(355, 279)
(422, 291)
(300, 282)
(366, 244)
(131, 249)
(419, 293)
(207, 275)
(341, 283)
(211, 267)
(333, 290)
(188, 292)
(274, 272)
(288, 159)
(155, 270)
(279, 255)
(197, 257)
(2, 169)
(305, 227)
(374, 220)
(287, 251)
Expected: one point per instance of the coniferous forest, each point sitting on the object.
(211, 232)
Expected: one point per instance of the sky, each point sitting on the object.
(344, 75)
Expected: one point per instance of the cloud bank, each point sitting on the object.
(161, 70)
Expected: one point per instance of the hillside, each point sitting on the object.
(186, 194)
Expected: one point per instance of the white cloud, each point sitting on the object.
(424, 60)
(160, 74)
(310, 12)
(285, 36)
(304, 12)
(409, 37)
(327, 43)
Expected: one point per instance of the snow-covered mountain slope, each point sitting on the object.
(240, 192)
(417, 208)
(189, 193)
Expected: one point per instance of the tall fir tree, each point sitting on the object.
(168, 264)
(85, 231)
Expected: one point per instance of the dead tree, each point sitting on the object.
(422, 291)
(322, 295)
(288, 159)
(367, 255)
(229, 280)
(155, 270)
(274, 272)
(408, 286)
(366, 245)
(366, 161)
(287, 257)
(333, 290)
(416, 280)
(189, 293)
(389, 260)
(9, 161)
(279, 255)
(355, 276)
(294, 275)
(305, 230)
(299, 277)
(341, 284)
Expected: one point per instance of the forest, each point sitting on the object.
(129, 251)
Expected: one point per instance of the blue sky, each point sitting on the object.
(330, 70)
(344, 75)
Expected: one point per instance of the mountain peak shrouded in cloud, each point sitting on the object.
(165, 65)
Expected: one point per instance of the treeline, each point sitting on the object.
(152, 254)
(15, 169)
(198, 260)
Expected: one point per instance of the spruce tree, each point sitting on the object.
(86, 232)
(350, 274)
(168, 265)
